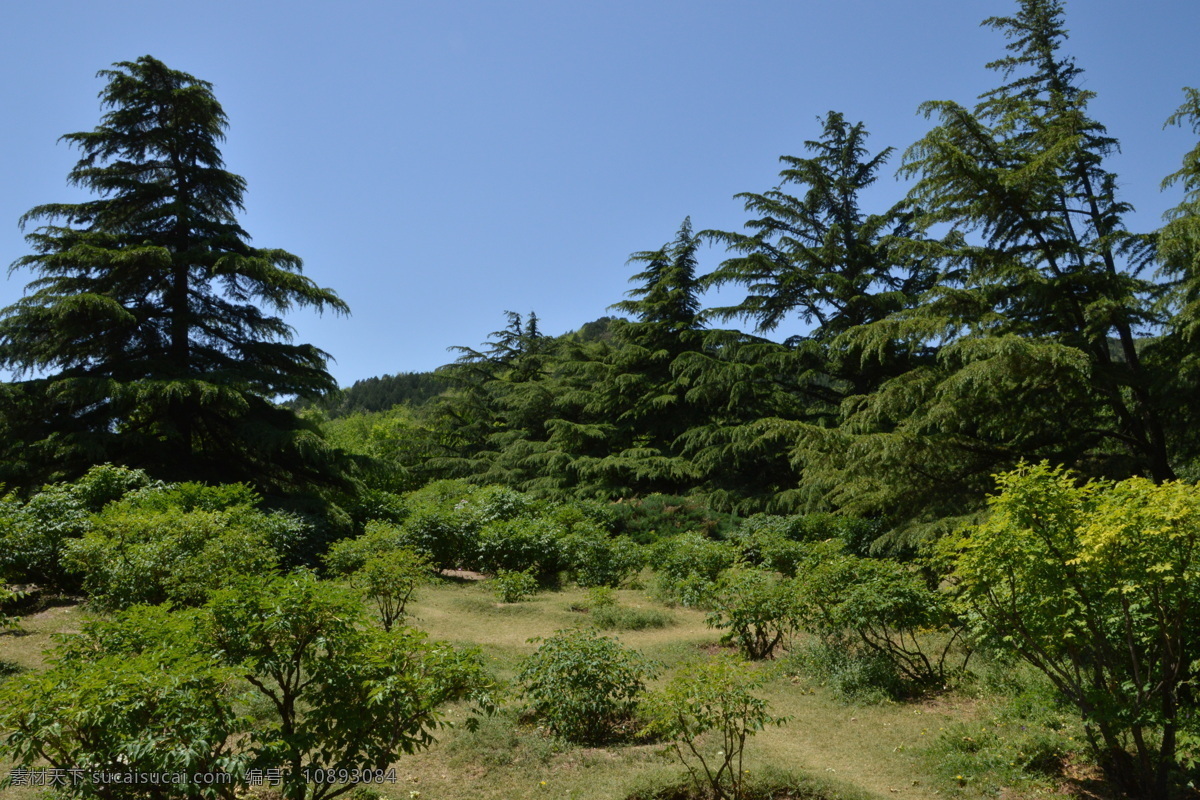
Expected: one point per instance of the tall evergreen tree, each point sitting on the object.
(152, 331)
(1039, 306)
(818, 255)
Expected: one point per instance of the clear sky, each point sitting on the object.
(438, 163)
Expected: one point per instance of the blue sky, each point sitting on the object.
(438, 163)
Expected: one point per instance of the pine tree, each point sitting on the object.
(1038, 309)
(152, 331)
(1026, 171)
(818, 255)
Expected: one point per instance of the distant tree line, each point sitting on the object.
(378, 394)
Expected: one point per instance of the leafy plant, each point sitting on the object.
(598, 560)
(868, 606)
(342, 696)
(585, 686)
(389, 579)
(513, 587)
(689, 565)
(715, 696)
(756, 608)
(1095, 585)
(9, 596)
(349, 555)
(524, 544)
(134, 693)
(138, 555)
(34, 534)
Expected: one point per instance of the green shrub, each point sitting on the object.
(756, 608)
(513, 587)
(9, 597)
(879, 607)
(193, 496)
(583, 685)
(688, 566)
(33, 534)
(854, 675)
(597, 560)
(1095, 585)
(132, 691)
(715, 696)
(377, 504)
(497, 504)
(389, 579)
(135, 556)
(349, 555)
(601, 597)
(444, 535)
(623, 618)
(291, 536)
(521, 545)
(588, 513)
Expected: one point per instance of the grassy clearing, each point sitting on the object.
(909, 751)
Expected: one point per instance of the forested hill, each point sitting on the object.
(415, 389)
(379, 394)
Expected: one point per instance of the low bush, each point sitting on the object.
(9, 597)
(756, 609)
(853, 675)
(881, 608)
(595, 559)
(688, 566)
(715, 697)
(584, 686)
(513, 587)
(624, 618)
(33, 534)
(525, 544)
(134, 556)
(389, 580)
(349, 555)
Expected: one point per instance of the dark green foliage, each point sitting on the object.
(688, 566)
(9, 597)
(379, 394)
(517, 545)
(1037, 313)
(817, 254)
(33, 534)
(583, 685)
(152, 317)
(779, 542)
(757, 610)
(594, 559)
(616, 617)
(134, 693)
(884, 610)
(343, 696)
(657, 516)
